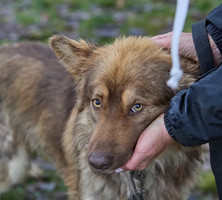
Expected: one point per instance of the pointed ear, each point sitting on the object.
(71, 53)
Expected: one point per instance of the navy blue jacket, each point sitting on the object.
(195, 114)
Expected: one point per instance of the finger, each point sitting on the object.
(163, 42)
(136, 165)
(138, 161)
(133, 162)
(142, 153)
(163, 36)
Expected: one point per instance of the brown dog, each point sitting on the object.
(87, 118)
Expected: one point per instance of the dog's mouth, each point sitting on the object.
(98, 171)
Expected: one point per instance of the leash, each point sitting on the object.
(138, 190)
(179, 20)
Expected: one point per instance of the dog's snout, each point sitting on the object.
(100, 161)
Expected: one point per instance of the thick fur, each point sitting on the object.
(46, 107)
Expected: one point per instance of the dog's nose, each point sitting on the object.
(100, 161)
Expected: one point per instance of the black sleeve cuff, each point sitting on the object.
(216, 35)
(214, 26)
(168, 125)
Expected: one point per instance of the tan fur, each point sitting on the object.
(51, 109)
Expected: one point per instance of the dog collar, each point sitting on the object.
(137, 177)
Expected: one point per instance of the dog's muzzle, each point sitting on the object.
(101, 161)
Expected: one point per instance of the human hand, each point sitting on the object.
(186, 46)
(152, 142)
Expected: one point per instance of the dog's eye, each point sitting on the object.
(137, 107)
(96, 103)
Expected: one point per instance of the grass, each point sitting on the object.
(30, 190)
(15, 194)
(207, 183)
(158, 18)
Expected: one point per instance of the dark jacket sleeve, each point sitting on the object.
(214, 26)
(195, 114)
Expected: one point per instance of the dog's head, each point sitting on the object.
(123, 85)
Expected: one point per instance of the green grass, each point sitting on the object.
(154, 21)
(19, 192)
(87, 27)
(207, 183)
(45, 13)
(16, 194)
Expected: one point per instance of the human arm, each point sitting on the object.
(195, 114)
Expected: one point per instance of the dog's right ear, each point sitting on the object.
(72, 54)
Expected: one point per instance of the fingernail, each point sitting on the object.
(119, 170)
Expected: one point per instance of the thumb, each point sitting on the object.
(143, 154)
(134, 162)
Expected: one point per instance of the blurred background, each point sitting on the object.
(97, 21)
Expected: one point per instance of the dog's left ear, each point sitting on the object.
(72, 54)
